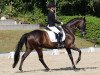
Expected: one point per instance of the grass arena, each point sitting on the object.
(59, 64)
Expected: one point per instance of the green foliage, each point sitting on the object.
(93, 29)
(25, 17)
(38, 16)
(65, 19)
(64, 7)
(34, 17)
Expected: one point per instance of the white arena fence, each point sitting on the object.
(89, 50)
(19, 27)
(10, 24)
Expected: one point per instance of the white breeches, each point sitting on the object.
(54, 29)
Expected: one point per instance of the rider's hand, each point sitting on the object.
(62, 23)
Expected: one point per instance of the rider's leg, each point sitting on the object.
(58, 35)
(59, 39)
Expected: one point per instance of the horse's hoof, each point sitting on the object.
(21, 70)
(50, 70)
(74, 67)
(47, 70)
(13, 66)
(77, 61)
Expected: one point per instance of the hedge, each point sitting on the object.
(92, 27)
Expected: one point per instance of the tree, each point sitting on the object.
(2, 3)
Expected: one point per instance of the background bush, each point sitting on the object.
(93, 27)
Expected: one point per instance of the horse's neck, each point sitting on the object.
(68, 30)
(72, 29)
(73, 26)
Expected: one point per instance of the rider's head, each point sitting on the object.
(51, 7)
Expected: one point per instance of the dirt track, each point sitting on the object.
(59, 65)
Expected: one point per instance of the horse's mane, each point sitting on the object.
(70, 21)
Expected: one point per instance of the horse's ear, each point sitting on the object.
(84, 18)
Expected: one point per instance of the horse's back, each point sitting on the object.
(37, 32)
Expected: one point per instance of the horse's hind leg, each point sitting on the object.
(28, 51)
(40, 55)
(71, 57)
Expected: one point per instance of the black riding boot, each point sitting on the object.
(59, 39)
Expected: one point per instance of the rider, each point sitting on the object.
(52, 21)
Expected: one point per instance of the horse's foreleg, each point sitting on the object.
(28, 51)
(79, 57)
(71, 57)
(40, 55)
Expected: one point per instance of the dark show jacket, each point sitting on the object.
(51, 19)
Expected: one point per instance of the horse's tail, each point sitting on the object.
(20, 44)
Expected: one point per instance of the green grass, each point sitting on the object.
(82, 43)
(10, 38)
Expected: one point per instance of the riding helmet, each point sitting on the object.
(51, 5)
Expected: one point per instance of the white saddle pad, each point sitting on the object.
(52, 36)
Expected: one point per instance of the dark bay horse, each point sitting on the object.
(39, 39)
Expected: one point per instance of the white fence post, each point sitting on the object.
(91, 49)
(11, 55)
(55, 52)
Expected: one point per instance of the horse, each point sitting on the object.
(39, 39)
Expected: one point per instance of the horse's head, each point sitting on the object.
(82, 26)
(77, 23)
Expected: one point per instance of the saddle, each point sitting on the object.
(53, 35)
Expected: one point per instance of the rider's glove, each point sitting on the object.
(62, 23)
